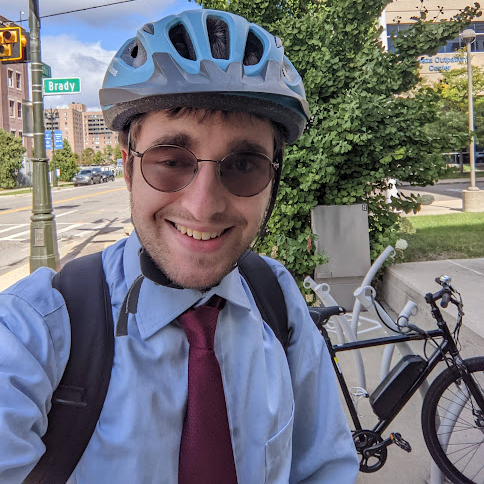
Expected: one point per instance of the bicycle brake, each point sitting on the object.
(401, 442)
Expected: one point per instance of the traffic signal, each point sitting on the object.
(13, 45)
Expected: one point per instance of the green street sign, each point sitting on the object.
(61, 86)
(46, 70)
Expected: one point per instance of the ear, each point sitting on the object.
(127, 177)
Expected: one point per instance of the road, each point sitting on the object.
(79, 212)
(441, 191)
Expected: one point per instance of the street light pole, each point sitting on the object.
(469, 36)
(43, 234)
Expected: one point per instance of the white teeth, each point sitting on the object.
(196, 234)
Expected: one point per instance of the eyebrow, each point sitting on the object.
(179, 139)
(186, 141)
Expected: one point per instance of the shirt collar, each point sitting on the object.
(160, 305)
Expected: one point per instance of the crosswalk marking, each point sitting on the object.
(63, 227)
(13, 227)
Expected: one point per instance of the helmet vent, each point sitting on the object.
(149, 28)
(218, 37)
(289, 71)
(134, 54)
(181, 41)
(253, 50)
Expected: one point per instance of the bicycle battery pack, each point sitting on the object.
(394, 386)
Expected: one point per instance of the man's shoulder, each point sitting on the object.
(36, 291)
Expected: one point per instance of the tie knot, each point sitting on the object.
(199, 325)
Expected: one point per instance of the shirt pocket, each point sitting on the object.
(278, 451)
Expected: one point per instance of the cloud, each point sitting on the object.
(71, 58)
(123, 16)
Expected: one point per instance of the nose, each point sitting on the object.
(205, 196)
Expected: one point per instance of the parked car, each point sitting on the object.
(87, 176)
(107, 175)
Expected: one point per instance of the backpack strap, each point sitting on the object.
(268, 295)
(79, 398)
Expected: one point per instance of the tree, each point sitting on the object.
(367, 114)
(98, 158)
(117, 152)
(65, 162)
(108, 155)
(11, 152)
(87, 156)
(453, 87)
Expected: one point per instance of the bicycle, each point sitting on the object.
(453, 407)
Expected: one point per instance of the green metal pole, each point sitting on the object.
(43, 234)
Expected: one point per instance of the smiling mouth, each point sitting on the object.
(198, 235)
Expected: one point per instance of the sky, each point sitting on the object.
(81, 44)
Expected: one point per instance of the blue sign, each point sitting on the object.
(58, 145)
(48, 140)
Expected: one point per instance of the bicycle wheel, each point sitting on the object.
(453, 424)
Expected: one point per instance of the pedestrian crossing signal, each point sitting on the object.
(12, 44)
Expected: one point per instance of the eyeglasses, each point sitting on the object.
(170, 168)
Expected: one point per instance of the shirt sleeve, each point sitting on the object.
(323, 450)
(34, 348)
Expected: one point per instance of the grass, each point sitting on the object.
(22, 191)
(440, 237)
(454, 172)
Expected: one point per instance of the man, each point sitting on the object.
(204, 102)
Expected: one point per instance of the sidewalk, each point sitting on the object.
(75, 248)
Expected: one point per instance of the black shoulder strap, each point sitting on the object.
(79, 398)
(267, 293)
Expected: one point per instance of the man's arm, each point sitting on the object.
(34, 348)
(323, 449)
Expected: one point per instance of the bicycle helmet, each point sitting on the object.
(204, 59)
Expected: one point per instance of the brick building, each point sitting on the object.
(82, 128)
(14, 87)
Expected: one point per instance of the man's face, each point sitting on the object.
(163, 221)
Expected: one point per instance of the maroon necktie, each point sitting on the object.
(206, 455)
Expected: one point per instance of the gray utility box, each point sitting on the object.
(343, 235)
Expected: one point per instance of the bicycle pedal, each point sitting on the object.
(401, 442)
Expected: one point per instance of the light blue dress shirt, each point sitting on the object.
(285, 415)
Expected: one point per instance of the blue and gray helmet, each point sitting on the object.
(204, 59)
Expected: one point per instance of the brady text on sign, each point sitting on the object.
(62, 86)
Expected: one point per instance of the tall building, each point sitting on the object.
(396, 18)
(82, 128)
(96, 134)
(68, 120)
(14, 87)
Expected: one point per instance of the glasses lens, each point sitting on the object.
(168, 168)
(246, 174)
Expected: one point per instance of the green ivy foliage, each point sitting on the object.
(368, 115)
(11, 152)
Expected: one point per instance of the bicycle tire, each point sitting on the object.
(461, 458)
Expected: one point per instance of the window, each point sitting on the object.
(14, 132)
(10, 78)
(450, 47)
(11, 106)
(20, 134)
(19, 110)
(18, 78)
